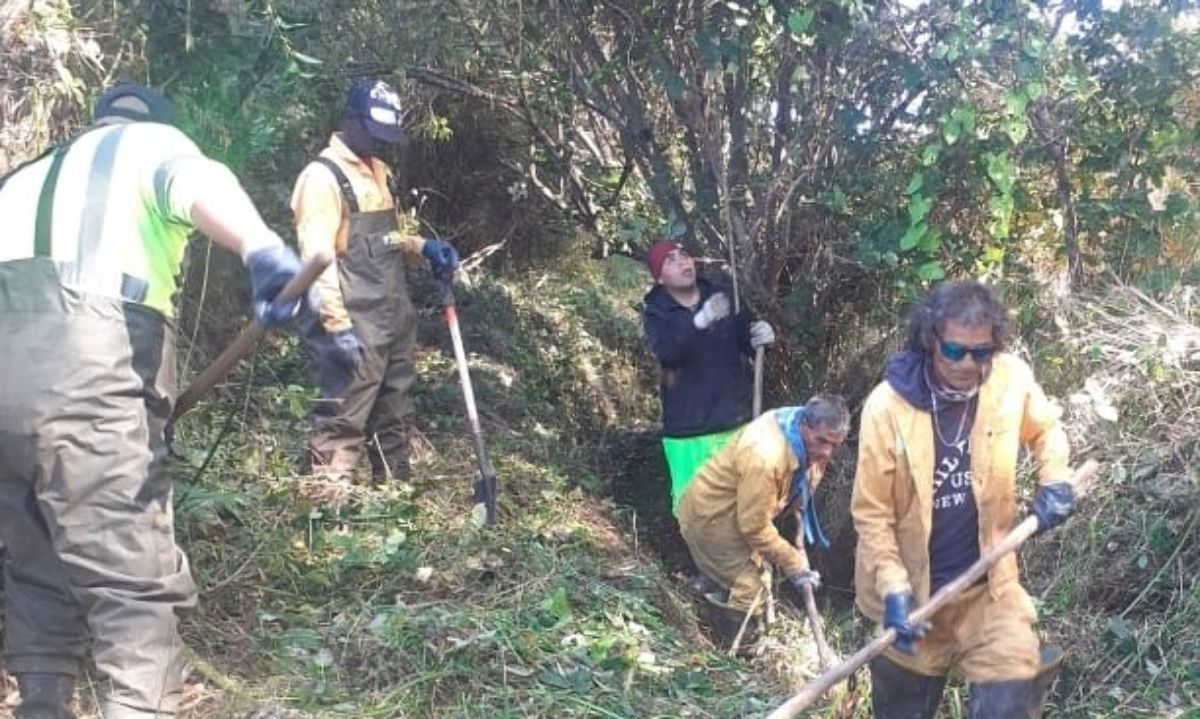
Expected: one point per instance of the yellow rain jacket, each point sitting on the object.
(727, 513)
(892, 503)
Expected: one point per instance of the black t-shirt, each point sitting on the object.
(954, 539)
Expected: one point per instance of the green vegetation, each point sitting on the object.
(390, 602)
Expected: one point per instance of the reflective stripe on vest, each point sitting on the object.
(96, 203)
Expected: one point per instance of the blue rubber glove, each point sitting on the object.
(806, 577)
(1052, 504)
(896, 608)
(345, 350)
(443, 258)
(270, 269)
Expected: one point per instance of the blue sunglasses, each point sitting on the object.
(955, 352)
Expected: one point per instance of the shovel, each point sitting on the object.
(1014, 539)
(484, 511)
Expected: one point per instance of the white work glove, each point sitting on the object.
(761, 334)
(806, 577)
(714, 308)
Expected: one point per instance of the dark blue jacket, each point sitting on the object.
(706, 380)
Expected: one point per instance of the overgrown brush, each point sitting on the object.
(389, 602)
(1119, 586)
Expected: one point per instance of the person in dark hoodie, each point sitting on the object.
(703, 353)
(935, 486)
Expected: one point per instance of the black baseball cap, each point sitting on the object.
(133, 102)
(377, 105)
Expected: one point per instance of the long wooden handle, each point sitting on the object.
(758, 379)
(1015, 538)
(814, 619)
(244, 343)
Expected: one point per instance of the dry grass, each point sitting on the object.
(1119, 586)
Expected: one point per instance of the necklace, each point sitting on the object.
(956, 396)
(962, 422)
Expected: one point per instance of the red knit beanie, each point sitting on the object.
(658, 255)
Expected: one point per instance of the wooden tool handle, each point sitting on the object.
(1014, 539)
(249, 337)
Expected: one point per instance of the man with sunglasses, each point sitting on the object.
(343, 204)
(935, 487)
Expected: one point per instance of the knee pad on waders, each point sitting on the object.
(1043, 682)
(1007, 699)
(45, 696)
(897, 693)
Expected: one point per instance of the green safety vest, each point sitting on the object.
(108, 209)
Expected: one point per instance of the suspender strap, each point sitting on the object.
(45, 206)
(343, 182)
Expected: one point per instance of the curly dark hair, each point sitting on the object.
(964, 302)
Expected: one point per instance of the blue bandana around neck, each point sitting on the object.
(789, 419)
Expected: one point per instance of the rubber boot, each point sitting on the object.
(1052, 658)
(1001, 700)
(45, 696)
(897, 693)
(702, 586)
(727, 621)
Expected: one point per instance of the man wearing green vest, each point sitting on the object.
(94, 236)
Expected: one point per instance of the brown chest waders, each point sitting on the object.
(371, 406)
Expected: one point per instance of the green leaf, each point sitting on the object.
(930, 154)
(798, 22)
(918, 207)
(1119, 628)
(306, 59)
(916, 183)
(912, 238)
(557, 604)
(1036, 47)
(931, 271)
(951, 130)
(1000, 170)
(1017, 130)
(1035, 90)
(673, 84)
(931, 241)
(966, 116)
(1001, 206)
(1015, 102)
(1177, 205)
